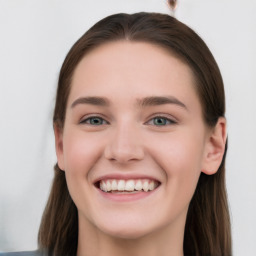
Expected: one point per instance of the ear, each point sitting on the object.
(215, 147)
(58, 133)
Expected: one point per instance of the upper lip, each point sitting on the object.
(117, 176)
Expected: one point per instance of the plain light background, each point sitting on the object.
(35, 36)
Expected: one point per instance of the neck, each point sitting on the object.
(167, 241)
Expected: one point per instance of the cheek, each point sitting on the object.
(179, 153)
(80, 152)
(180, 158)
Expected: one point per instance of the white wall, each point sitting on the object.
(34, 38)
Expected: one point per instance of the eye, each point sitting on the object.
(160, 121)
(94, 120)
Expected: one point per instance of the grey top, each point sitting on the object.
(30, 253)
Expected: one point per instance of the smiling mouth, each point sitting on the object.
(130, 186)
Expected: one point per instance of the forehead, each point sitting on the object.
(126, 52)
(127, 68)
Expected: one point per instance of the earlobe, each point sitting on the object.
(58, 133)
(215, 148)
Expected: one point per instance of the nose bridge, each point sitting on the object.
(125, 143)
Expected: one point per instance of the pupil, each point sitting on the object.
(95, 121)
(160, 121)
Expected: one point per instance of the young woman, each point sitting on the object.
(141, 140)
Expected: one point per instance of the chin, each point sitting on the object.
(125, 227)
(127, 233)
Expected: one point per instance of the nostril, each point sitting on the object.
(124, 148)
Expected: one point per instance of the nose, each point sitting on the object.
(125, 145)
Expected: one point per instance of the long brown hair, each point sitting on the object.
(207, 230)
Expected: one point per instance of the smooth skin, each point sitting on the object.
(116, 132)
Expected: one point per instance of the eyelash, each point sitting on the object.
(167, 121)
(85, 121)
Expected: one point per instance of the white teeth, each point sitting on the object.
(114, 185)
(151, 185)
(145, 186)
(129, 185)
(138, 185)
(109, 187)
(121, 185)
(103, 186)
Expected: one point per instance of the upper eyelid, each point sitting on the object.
(86, 117)
(172, 122)
(166, 116)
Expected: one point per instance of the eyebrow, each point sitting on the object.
(97, 101)
(145, 102)
(160, 100)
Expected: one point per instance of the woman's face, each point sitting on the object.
(134, 141)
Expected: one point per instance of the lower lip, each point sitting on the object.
(126, 197)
